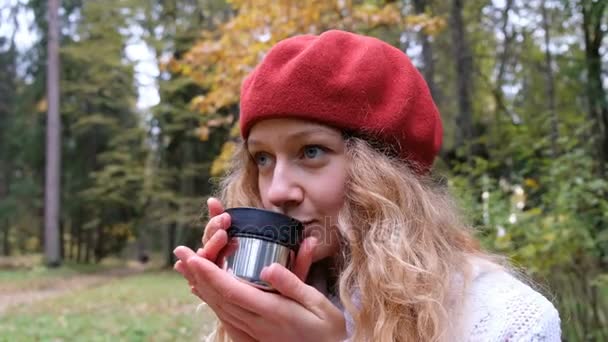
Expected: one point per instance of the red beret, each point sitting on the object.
(351, 82)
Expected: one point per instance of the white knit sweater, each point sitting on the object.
(500, 308)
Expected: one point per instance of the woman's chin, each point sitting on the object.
(317, 257)
(323, 252)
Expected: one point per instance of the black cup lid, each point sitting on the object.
(266, 225)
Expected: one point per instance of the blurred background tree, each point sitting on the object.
(521, 86)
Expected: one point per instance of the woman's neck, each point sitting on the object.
(323, 276)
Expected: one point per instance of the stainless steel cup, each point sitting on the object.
(259, 238)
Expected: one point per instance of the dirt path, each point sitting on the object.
(60, 286)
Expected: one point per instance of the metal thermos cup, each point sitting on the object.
(258, 238)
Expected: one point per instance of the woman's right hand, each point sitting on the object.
(214, 239)
(215, 236)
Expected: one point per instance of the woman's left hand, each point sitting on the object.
(299, 313)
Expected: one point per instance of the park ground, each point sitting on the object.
(114, 301)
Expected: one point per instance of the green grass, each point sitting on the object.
(35, 276)
(153, 306)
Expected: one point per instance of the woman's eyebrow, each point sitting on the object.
(298, 135)
(251, 142)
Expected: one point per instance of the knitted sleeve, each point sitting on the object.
(504, 309)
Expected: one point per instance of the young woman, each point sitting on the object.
(340, 131)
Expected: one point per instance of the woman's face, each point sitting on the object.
(302, 173)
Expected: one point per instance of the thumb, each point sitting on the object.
(290, 286)
(304, 258)
(183, 253)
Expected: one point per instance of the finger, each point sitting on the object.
(214, 224)
(183, 253)
(181, 267)
(215, 206)
(213, 247)
(243, 322)
(229, 312)
(231, 290)
(304, 258)
(220, 222)
(290, 286)
(236, 334)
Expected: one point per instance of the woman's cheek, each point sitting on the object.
(328, 245)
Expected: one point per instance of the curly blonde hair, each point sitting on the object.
(404, 268)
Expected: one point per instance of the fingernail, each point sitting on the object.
(264, 272)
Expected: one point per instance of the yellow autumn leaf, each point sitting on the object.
(42, 105)
(221, 163)
(531, 183)
(235, 131)
(174, 66)
(203, 133)
(186, 70)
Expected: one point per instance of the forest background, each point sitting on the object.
(148, 111)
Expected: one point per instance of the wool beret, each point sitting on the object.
(351, 82)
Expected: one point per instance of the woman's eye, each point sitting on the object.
(262, 159)
(312, 152)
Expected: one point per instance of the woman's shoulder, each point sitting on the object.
(500, 307)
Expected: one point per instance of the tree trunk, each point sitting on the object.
(4, 224)
(593, 13)
(70, 247)
(171, 244)
(427, 54)
(550, 82)
(41, 229)
(87, 246)
(61, 239)
(4, 181)
(464, 71)
(503, 61)
(142, 253)
(75, 236)
(53, 145)
(79, 241)
(8, 110)
(6, 250)
(99, 245)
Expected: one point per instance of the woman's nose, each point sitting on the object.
(284, 190)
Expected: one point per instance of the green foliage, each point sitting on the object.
(20, 161)
(549, 216)
(97, 107)
(182, 158)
